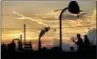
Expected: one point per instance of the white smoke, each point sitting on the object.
(92, 36)
(93, 17)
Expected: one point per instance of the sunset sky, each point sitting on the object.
(38, 14)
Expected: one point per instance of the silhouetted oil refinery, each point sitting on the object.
(80, 43)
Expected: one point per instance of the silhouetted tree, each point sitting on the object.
(79, 42)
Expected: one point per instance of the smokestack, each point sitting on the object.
(21, 38)
(24, 33)
(20, 43)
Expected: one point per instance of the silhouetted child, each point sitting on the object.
(86, 42)
(79, 42)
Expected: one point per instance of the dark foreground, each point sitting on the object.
(48, 54)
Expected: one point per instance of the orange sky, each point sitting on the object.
(37, 15)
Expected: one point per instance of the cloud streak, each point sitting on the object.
(76, 23)
(38, 21)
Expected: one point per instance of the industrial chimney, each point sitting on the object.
(24, 33)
